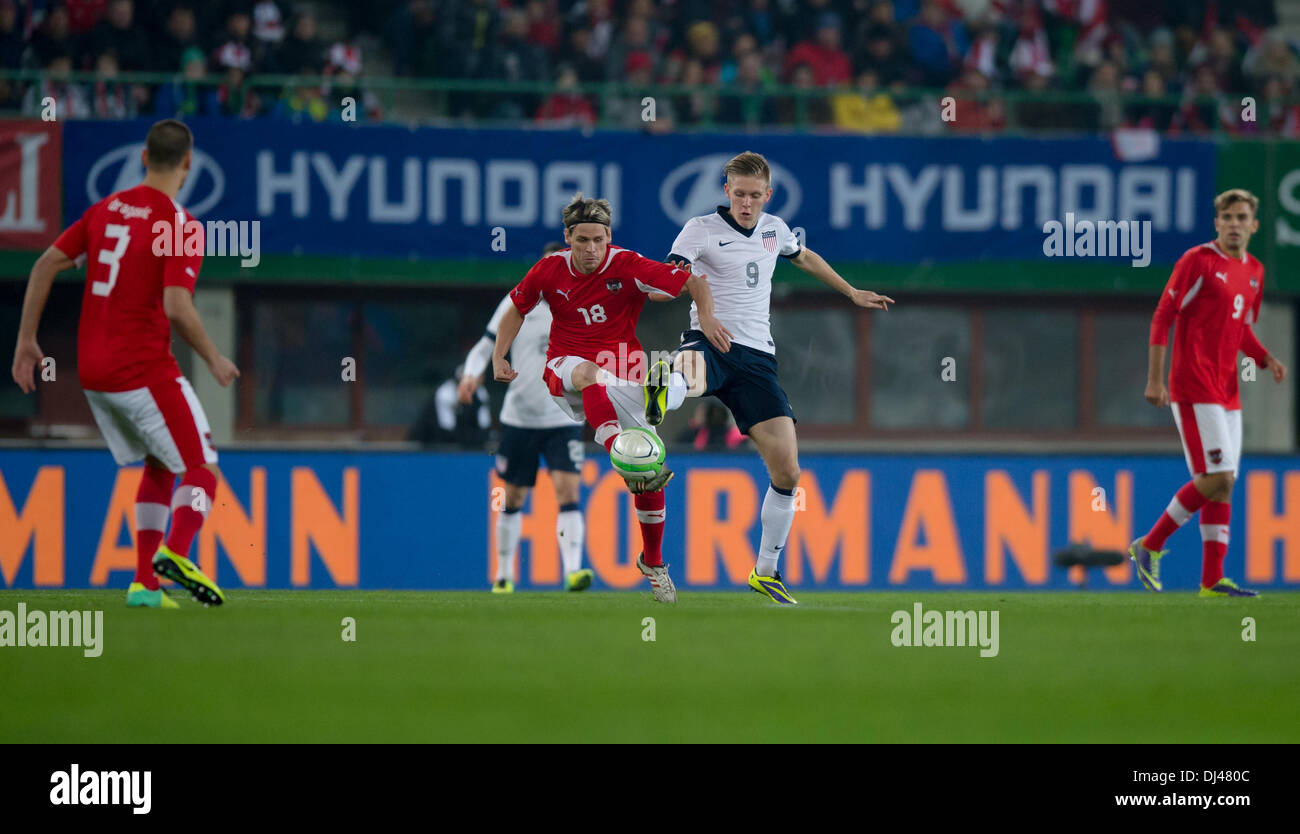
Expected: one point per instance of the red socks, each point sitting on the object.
(600, 413)
(650, 513)
(151, 501)
(1214, 540)
(1183, 506)
(190, 507)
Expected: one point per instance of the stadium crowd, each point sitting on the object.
(1177, 66)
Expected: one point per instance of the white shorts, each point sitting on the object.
(627, 398)
(1211, 436)
(163, 420)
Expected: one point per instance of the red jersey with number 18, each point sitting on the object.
(1214, 299)
(594, 316)
(124, 339)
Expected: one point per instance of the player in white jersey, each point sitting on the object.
(737, 248)
(532, 426)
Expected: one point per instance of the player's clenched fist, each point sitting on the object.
(1157, 394)
(501, 370)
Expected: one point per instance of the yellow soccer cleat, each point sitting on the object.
(771, 587)
(186, 574)
(503, 586)
(138, 596)
(579, 580)
(656, 392)
(1226, 588)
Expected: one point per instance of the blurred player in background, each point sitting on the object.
(1213, 298)
(532, 426)
(143, 405)
(594, 364)
(735, 361)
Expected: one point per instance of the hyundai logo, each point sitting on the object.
(694, 188)
(120, 169)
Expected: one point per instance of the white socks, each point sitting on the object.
(777, 515)
(569, 530)
(509, 525)
(677, 389)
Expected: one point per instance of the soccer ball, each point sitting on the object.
(637, 454)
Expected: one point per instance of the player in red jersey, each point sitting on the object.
(1214, 295)
(143, 405)
(594, 364)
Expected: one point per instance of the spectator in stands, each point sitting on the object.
(236, 99)
(830, 65)
(702, 43)
(236, 49)
(865, 107)
(1271, 58)
(937, 45)
(118, 34)
(1048, 113)
(577, 54)
(1200, 110)
(634, 37)
(53, 37)
(419, 37)
(566, 107)
(70, 101)
(803, 109)
(803, 20)
(761, 20)
(476, 25)
(303, 101)
(595, 16)
(627, 111)
(110, 99)
(1153, 114)
(741, 45)
(517, 59)
(301, 51)
(185, 97)
(698, 106)
(178, 38)
(268, 26)
(543, 26)
(12, 43)
(754, 109)
(975, 110)
(1107, 104)
(883, 52)
(1161, 58)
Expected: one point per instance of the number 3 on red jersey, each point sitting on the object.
(112, 257)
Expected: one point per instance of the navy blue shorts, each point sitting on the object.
(520, 449)
(744, 379)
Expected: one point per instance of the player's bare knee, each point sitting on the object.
(785, 475)
(515, 496)
(566, 491)
(584, 375)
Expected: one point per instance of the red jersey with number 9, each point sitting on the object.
(594, 316)
(124, 339)
(1212, 299)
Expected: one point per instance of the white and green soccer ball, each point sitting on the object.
(637, 454)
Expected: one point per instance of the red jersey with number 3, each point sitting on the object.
(124, 339)
(1211, 298)
(594, 316)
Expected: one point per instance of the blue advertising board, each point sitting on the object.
(428, 193)
(378, 520)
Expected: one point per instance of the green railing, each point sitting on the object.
(493, 102)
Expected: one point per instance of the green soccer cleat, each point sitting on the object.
(186, 574)
(771, 587)
(656, 392)
(1148, 564)
(1226, 588)
(138, 596)
(579, 580)
(503, 586)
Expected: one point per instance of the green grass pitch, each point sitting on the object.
(724, 667)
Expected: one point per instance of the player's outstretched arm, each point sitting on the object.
(816, 266)
(507, 330)
(178, 304)
(27, 354)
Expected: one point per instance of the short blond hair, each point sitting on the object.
(1236, 195)
(587, 210)
(748, 164)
